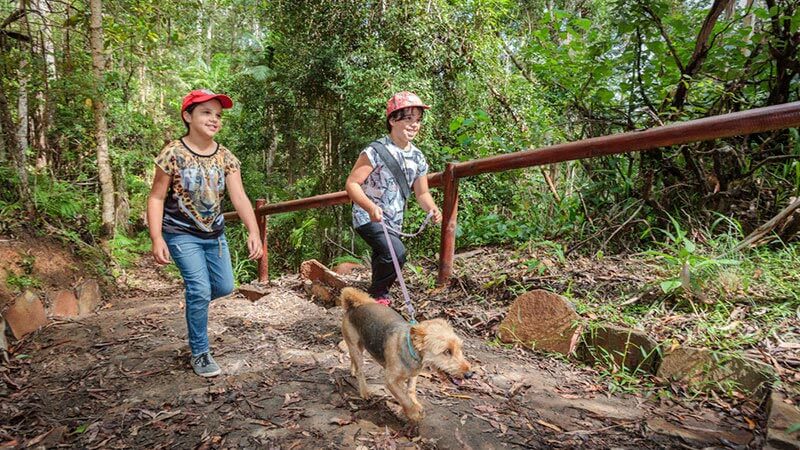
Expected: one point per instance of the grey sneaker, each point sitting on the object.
(205, 366)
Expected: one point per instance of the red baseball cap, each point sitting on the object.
(204, 95)
(402, 100)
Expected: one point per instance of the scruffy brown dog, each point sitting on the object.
(402, 349)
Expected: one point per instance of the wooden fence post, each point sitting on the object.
(447, 247)
(263, 263)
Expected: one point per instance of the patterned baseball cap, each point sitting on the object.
(402, 100)
(204, 95)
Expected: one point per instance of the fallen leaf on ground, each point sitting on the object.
(549, 425)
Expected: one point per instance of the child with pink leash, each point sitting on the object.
(379, 186)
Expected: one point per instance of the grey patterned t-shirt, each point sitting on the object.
(381, 187)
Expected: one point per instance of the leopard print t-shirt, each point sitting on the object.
(194, 200)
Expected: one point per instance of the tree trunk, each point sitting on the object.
(14, 148)
(784, 49)
(67, 63)
(22, 106)
(99, 111)
(3, 153)
(44, 111)
(205, 28)
(269, 158)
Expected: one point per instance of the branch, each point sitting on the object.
(657, 20)
(701, 48)
(15, 35)
(13, 17)
(651, 109)
(514, 59)
(759, 233)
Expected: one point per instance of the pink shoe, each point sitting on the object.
(385, 301)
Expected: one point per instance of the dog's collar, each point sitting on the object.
(411, 350)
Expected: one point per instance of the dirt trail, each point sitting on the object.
(120, 379)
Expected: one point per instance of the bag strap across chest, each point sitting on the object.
(391, 163)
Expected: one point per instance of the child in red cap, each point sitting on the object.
(378, 195)
(184, 215)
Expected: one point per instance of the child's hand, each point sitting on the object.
(161, 252)
(376, 214)
(254, 246)
(437, 215)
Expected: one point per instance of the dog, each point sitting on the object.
(400, 348)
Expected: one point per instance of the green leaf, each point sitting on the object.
(584, 24)
(74, 20)
(560, 14)
(761, 13)
(605, 95)
(456, 123)
(81, 429)
(670, 285)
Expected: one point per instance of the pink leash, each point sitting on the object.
(386, 228)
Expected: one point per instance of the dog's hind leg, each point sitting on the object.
(356, 349)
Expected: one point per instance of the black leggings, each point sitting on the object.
(383, 273)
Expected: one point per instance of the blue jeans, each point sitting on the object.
(205, 265)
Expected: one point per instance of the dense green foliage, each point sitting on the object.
(310, 80)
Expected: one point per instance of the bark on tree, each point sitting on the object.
(13, 146)
(99, 110)
(43, 116)
(269, 158)
(22, 106)
(3, 155)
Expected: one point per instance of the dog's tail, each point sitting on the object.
(353, 298)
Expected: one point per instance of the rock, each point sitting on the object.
(699, 434)
(26, 314)
(253, 291)
(782, 416)
(627, 347)
(315, 271)
(562, 411)
(701, 367)
(346, 268)
(321, 292)
(63, 304)
(89, 297)
(542, 320)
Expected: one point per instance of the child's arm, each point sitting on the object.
(155, 215)
(425, 199)
(245, 210)
(358, 175)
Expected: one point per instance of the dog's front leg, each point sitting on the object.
(397, 386)
(412, 390)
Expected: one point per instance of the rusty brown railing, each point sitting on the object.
(726, 125)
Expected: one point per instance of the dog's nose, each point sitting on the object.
(468, 375)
